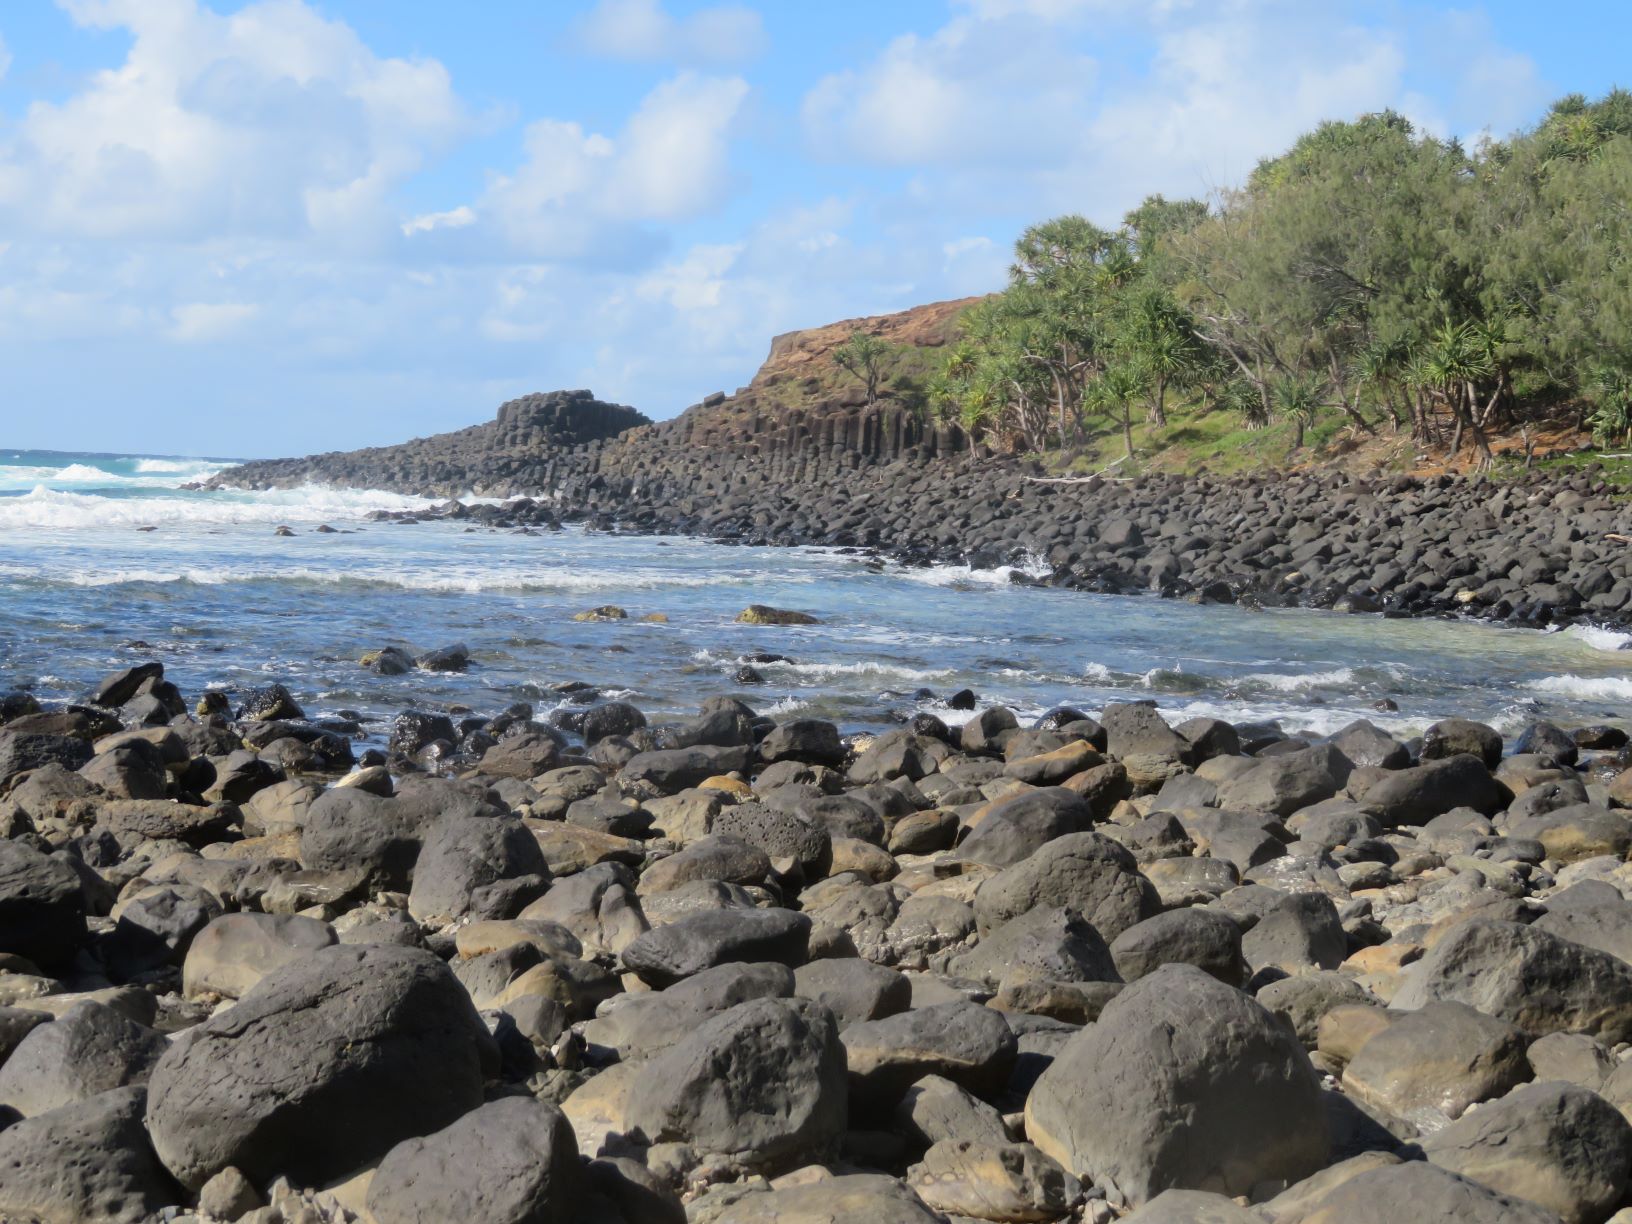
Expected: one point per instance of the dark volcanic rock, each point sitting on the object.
(325, 1065)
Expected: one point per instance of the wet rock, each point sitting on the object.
(1456, 736)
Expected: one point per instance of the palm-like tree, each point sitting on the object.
(1298, 398)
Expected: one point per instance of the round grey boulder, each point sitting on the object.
(1183, 1083)
(323, 1067)
(762, 1083)
(512, 1161)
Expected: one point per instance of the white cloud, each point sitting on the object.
(974, 91)
(580, 193)
(643, 30)
(203, 321)
(453, 218)
(1003, 106)
(271, 120)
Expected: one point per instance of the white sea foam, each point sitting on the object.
(868, 667)
(1600, 638)
(1585, 688)
(1096, 673)
(176, 466)
(59, 508)
(965, 576)
(441, 580)
(1298, 682)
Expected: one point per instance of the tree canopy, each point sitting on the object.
(1382, 276)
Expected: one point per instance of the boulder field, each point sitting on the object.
(732, 970)
(1536, 550)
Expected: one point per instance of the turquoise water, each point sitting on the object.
(104, 561)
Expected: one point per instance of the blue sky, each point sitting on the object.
(297, 225)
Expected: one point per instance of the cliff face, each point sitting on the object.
(802, 417)
(516, 452)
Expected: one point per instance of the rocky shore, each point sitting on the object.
(732, 970)
(1536, 550)
(1532, 552)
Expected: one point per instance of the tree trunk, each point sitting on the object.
(1127, 428)
(1158, 410)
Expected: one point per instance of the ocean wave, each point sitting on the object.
(1600, 638)
(1298, 682)
(176, 466)
(1585, 688)
(60, 508)
(441, 580)
(967, 577)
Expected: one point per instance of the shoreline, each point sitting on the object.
(925, 956)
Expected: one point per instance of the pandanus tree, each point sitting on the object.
(862, 356)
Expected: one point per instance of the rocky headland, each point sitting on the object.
(798, 457)
(261, 967)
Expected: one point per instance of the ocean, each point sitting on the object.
(105, 561)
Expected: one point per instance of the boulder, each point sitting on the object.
(1055, 944)
(351, 830)
(698, 941)
(476, 867)
(329, 1062)
(1014, 828)
(42, 908)
(813, 741)
(1204, 938)
(21, 751)
(1192, 1207)
(1553, 1144)
(1415, 796)
(1457, 736)
(856, 1197)
(1285, 783)
(935, 1109)
(762, 1083)
(1299, 932)
(511, 1161)
(1432, 1064)
(1134, 728)
(964, 1042)
(85, 1163)
(86, 1051)
(1416, 1190)
(1183, 1083)
(854, 990)
(525, 755)
(1530, 978)
(993, 1181)
(643, 1023)
(1087, 872)
(671, 770)
(235, 951)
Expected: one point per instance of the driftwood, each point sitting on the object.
(1071, 480)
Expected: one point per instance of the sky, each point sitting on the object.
(277, 227)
